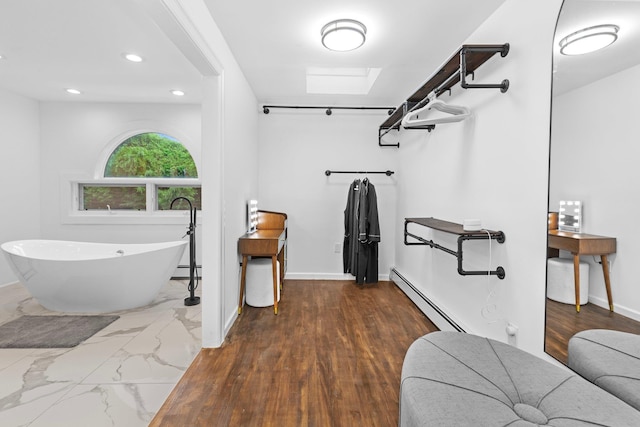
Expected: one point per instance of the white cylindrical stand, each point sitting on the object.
(259, 282)
(561, 282)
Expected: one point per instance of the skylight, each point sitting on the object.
(341, 81)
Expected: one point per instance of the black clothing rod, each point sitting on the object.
(266, 108)
(387, 172)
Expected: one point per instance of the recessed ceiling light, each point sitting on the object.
(177, 92)
(1, 56)
(589, 39)
(343, 35)
(73, 91)
(133, 57)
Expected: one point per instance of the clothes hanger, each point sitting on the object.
(455, 113)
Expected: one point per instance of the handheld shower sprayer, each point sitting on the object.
(191, 232)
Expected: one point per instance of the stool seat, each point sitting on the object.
(453, 379)
(610, 360)
(259, 282)
(561, 283)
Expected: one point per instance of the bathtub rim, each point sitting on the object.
(8, 247)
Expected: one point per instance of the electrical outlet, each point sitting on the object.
(337, 248)
(512, 334)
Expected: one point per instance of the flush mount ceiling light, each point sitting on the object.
(177, 92)
(589, 39)
(73, 91)
(343, 35)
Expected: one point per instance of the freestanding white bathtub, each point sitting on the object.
(93, 277)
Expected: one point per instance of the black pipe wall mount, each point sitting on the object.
(387, 172)
(504, 51)
(266, 109)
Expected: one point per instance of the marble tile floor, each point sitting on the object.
(118, 377)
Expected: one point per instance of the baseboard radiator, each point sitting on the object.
(428, 307)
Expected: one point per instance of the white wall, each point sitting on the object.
(240, 181)
(230, 168)
(594, 154)
(493, 166)
(295, 149)
(19, 138)
(73, 138)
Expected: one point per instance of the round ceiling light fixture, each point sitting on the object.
(343, 35)
(589, 39)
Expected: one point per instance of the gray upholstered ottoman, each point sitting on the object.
(610, 360)
(457, 379)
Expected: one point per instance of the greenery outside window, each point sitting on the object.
(144, 173)
(151, 155)
(101, 197)
(165, 195)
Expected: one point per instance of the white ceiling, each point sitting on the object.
(50, 45)
(275, 41)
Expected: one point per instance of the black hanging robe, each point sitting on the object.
(361, 232)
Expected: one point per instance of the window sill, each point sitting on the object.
(129, 218)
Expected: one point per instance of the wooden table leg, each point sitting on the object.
(274, 268)
(281, 260)
(607, 282)
(576, 278)
(243, 279)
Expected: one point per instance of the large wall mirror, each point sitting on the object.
(594, 151)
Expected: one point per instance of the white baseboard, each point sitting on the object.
(230, 321)
(9, 284)
(618, 308)
(435, 313)
(326, 276)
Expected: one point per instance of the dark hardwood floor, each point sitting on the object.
(562, 322)
(331, 357)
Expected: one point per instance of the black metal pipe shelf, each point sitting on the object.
(463, 235)
(455, 70)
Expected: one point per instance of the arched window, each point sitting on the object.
(151, 155)
(145, 172)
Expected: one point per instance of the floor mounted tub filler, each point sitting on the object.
(84, 277)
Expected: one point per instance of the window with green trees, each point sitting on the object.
(148, 161)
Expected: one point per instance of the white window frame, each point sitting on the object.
(72, 182)
(73, 214)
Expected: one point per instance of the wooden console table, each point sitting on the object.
(269, 240)
(585, 244)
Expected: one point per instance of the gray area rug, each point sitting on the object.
(51, 331)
